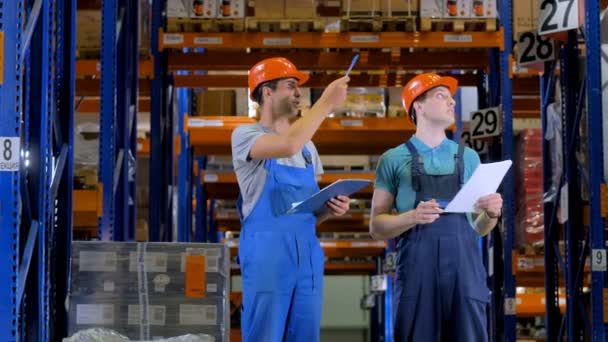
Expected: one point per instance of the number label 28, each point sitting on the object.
(533, 48)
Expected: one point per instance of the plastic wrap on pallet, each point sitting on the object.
(554, 135)
(150, 290)
(362, 102)
(529, 222)
(107, 335)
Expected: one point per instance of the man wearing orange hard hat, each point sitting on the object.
(440, 278)
(275, 162)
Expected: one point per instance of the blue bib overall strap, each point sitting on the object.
(441, 281)
(281, 260)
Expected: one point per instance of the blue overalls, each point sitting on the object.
(282, 260)
(441, 281)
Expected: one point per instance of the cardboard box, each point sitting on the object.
(203, 9)
(431, 9)
(359, 7)
(525, 16)
(269, 9)
(396, 8)
(215, 102)
(457, 9)
(445, 9)
(178, 8)
(141, 231)
(88, 34)
(300, 8)
(231, 8)
(484, 9)
(88, 23)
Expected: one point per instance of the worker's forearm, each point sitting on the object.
(484, 224)
(304, 128)
(388, 226)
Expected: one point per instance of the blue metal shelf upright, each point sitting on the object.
(161, 137)
(118, 118)
(596, 168)
(36, 136)
(580, 98)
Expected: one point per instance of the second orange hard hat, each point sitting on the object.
(271, 69)
(421, 84)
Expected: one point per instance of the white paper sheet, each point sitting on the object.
(484, 181)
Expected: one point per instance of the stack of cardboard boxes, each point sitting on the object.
(88, 23)
(149, 291)
(458, 9)
(206, 8)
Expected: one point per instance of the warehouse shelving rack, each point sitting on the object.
(36, 119)
(118, 119)
(583, 233)
(212, 135)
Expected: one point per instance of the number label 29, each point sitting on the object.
(486, 123)
(533, 48)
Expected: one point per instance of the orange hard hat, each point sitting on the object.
(422, 83)
(271, 69)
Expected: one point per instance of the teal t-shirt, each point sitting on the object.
(394, 175)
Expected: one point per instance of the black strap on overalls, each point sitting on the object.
(417, 167)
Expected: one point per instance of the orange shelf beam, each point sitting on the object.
(91, 87)
(337, 248)
(211, 135)
(351, 222)
(322, 60)
(333, 267)
(315, 80)
(321, 40)
(91, 105)
(533, 304)
(529, 271)
(223, 185)
(92, 67)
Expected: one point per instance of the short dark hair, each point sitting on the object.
(412, 112)
(258, 91)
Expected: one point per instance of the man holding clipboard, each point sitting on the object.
(440, 279)
(275, 162)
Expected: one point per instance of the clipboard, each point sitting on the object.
(316, 203)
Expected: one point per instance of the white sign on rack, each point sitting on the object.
(9, 153)
(534, 48)
(557, 16)
(480, 146)
(379, 283)
(598, 260)
(486, 123)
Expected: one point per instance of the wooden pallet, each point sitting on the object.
(361, 24)
(175, 25)
(398, 24)
(378, 23)
(285, 25)
(457, 24)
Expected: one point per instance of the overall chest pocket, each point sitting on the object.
(291, 187)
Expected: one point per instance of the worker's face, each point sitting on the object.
(437, 108)
(286, 98)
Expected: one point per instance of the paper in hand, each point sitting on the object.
(485, 181)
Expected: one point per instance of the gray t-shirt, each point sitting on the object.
(251, 173)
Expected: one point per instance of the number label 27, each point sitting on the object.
(557, 16)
